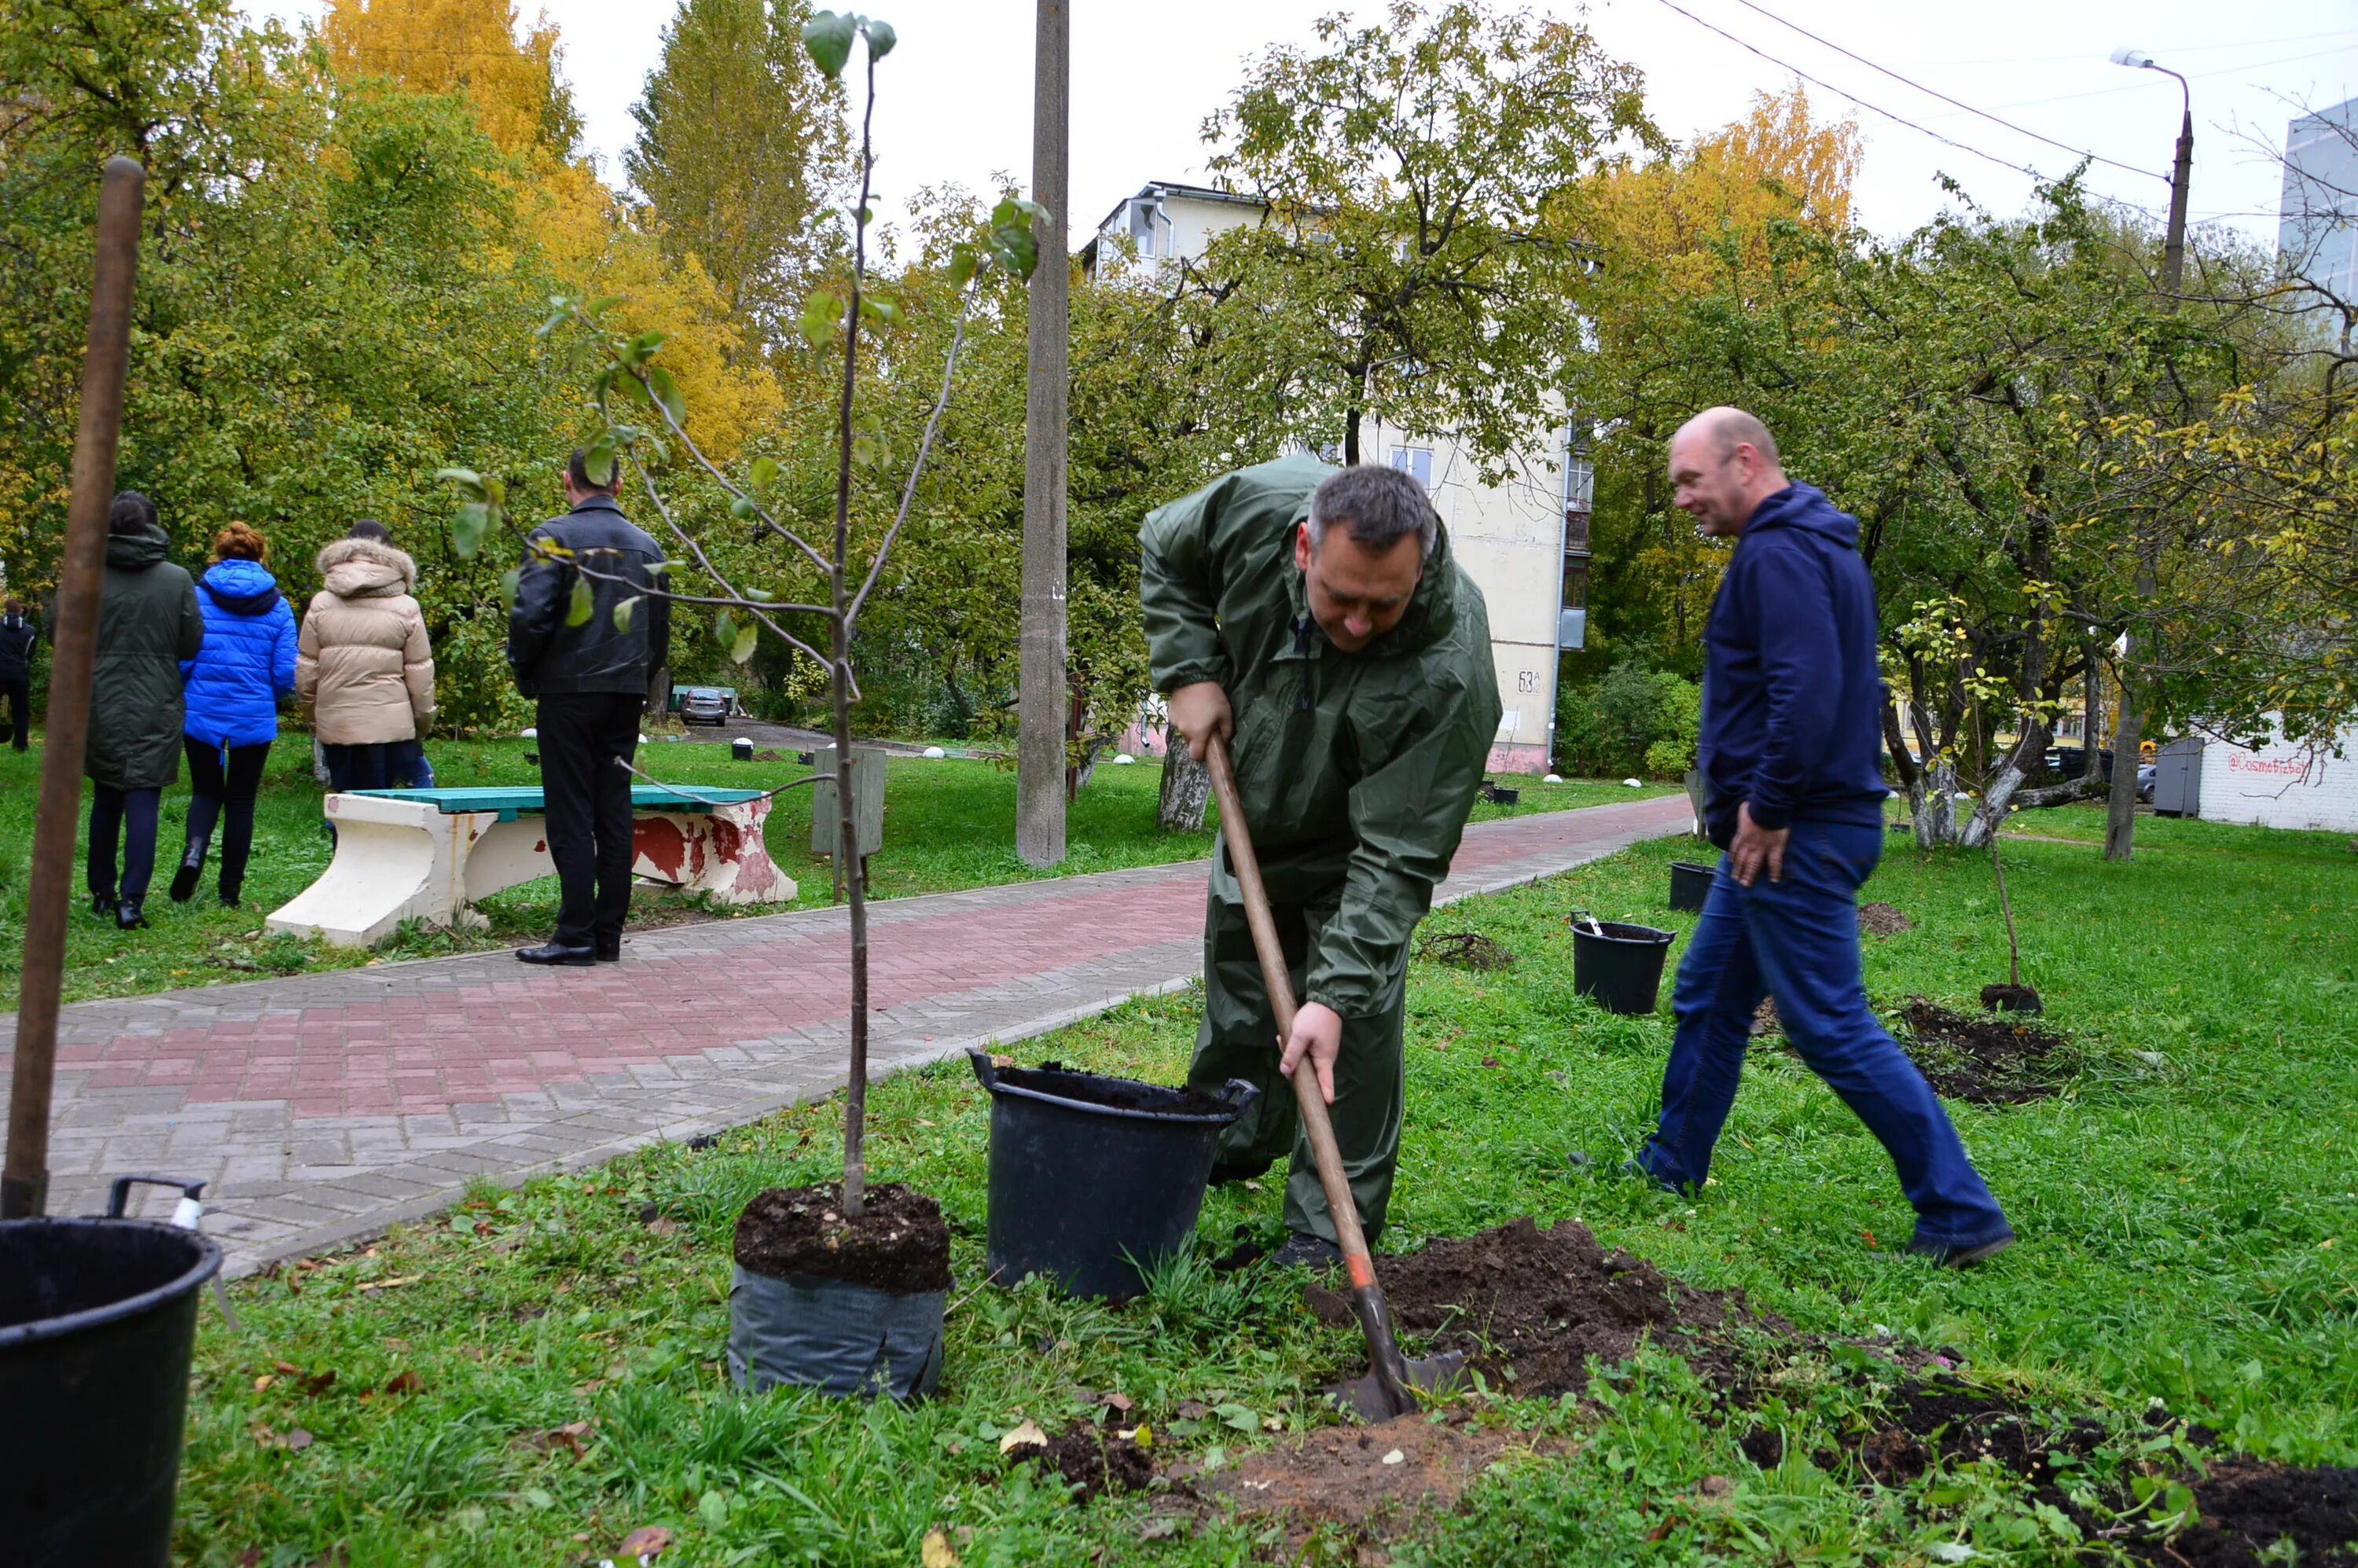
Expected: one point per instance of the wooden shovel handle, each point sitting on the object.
(1315, 1120)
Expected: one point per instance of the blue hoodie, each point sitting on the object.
(1792, 702)
(248, 660)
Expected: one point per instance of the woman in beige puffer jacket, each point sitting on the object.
(363, 665)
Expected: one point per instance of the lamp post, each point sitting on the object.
(2173, 253)
(2120, 815)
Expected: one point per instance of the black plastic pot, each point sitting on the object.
(1690, 884)
(1618, 965)
(98, 1319)
(835, 1335)
(1094, 1194)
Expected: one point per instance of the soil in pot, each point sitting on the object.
(1115, 1094)
(1984, 1061)
(1543, 1302)
(900, 1243)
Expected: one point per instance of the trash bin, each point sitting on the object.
(1617, 963)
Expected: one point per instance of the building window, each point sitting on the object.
(1417, 461)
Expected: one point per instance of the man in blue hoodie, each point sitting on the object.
(1791, 703)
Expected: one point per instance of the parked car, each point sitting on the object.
(2147, 773)
(704, 705)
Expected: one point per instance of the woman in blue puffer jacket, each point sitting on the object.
(247, 664)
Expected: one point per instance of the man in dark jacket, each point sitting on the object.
(591, 679)
(1320, 618)
(1790, 706)
(18, 638)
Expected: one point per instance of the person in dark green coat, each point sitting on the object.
(148, 622)
(1317, 620)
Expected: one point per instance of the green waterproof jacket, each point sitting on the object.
(148, 622)
(1356, 769)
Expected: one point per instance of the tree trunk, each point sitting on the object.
(2092, 726)
(2120, 810)
(1933, 799)
(1186, 785)
(2000, 790)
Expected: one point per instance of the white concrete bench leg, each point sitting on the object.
(719, 853)
(396, 861)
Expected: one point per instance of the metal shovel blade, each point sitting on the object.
(1371, 1399)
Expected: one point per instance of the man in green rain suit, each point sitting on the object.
(1316, 620)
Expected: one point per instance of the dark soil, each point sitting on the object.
(2243, 1509)
(1467, 951)
(899, 1244)
(2010, 999)
(1883, 920)
(1987, 1061)
(1543, 1302)
(1091, 1460)
(1924, 1422)
(1115, 1094)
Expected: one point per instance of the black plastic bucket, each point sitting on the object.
(1690, 884)
(98, 1319)
(1092, 1193)
(1618, 965)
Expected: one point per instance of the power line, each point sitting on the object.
(2191, 76)
(2172, 50)
(1930, 93)
(1842, 93)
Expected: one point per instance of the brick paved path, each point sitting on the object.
(322, 1108)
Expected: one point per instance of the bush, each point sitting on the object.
(1634, 719)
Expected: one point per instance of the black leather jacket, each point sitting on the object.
(549, 656)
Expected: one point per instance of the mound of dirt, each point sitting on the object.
(1091, 1460)
(1936, 1420)
(1883, 920)
(1543, 1302)
(1357, 1476)
(899, 1243)
(1467, 950)
(2246, 1511)
(1985, 1061)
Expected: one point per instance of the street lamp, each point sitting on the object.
(2173, 254)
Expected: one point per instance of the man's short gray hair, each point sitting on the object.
(1376, 505)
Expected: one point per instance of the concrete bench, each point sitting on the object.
(428, 854)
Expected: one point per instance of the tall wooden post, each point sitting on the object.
(25, 1179)
(1042, 689)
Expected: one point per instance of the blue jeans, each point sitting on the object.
(1797, 939)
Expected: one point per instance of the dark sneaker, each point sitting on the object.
(1948, 1256)
(1303, 1249)
(551, 953)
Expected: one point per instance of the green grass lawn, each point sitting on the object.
(2187, 1206)
(948, 824)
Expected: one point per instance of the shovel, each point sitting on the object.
(1389, 1389)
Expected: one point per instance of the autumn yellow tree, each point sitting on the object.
(510, 77)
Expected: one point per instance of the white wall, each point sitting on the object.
(2279, 785)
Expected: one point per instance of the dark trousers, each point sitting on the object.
(585, 737)
(128, 814)
(222, 792)
(1797, 939)
(19, 693)
(380, 765)
(1237, 1039)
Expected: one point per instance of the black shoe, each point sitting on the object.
(229, 899)
(101, 904)
(184, 878)
(1224, 1172)
(128, 918)
(1306, 1251)
(552, 953)
(611, 952)
(1948, 1256)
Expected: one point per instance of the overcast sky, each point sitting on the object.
(954, 99)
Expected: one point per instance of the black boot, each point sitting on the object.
(184, 880)
(128, 918)
(101, 904)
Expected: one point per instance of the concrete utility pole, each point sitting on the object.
(2120, 814)
(1041, 693)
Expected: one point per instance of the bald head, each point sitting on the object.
(1722, 466)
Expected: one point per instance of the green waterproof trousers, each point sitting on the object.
(1237, 1039)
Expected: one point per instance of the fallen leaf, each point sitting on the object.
(1395, 1457)
(287, 1369)
(645, 1541)
(250, 1558)
(1028, 1433)
(663, 1226)
(922, 1122)
(1119, 1402)
(1194, 1409)
(1162, 1527)
(403, 1383)
(1715, 1486)
(318, 1383)
(1490, 1061)
(389, 1285)
(1869, 1236)
(297, 1441)
(567, 1436)
(262, 1383)
(937, 1552)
